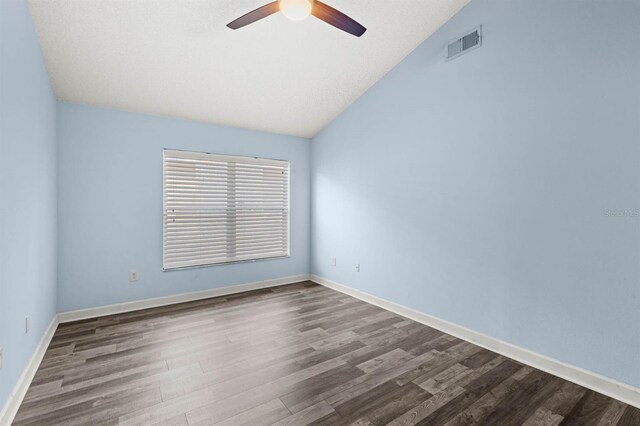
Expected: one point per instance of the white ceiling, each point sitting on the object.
(177, 57)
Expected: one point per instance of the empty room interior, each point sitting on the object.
(305, 212)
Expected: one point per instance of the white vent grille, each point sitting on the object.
(464, 44)
(222, 209)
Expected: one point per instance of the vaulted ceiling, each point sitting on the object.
(177, 58)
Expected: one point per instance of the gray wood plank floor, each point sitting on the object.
(291, 355)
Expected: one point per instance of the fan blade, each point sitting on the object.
(336, 18)
(254, 15)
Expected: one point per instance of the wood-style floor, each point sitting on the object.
(295, 355)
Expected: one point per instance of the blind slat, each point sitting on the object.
(209, 240)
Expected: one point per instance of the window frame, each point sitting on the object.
(228, 158)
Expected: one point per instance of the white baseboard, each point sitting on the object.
(610, 387)
(119, 308)
(16, 396)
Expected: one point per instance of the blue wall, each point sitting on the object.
(501, 190)
(27, 193)
(110, 204)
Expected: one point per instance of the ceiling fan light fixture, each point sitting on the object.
(296, 10)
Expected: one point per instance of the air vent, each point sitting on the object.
(464, 44)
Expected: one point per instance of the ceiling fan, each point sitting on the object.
(297, 10)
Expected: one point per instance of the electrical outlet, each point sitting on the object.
(1, 358)
(133, 276)
(27, 324)
(333, 261)
(357, 267)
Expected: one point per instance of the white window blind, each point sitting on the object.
(221, 209)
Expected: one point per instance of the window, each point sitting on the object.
(222, 209)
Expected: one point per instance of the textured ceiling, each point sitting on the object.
(177, 58)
